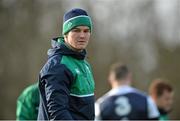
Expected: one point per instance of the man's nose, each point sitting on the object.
(82, 34)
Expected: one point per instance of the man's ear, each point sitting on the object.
(65, 36)
(154, 96)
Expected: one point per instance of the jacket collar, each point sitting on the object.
(59, 47)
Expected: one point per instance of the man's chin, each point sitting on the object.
(169, 110)
(81, 47)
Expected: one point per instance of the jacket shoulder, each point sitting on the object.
(53, 66)
(28, 92)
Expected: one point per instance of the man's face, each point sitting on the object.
(165, 101)
(78, 37)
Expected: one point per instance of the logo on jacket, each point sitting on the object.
(77, 71)
(123, 107)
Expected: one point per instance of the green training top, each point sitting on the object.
(163, 117)
(28, 103)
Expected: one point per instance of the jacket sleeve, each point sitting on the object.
(153, 112)
(57, 91)
(97, 111)
(25, 108)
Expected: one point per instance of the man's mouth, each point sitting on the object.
(82, 42)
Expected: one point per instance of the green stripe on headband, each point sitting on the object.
(76, 21)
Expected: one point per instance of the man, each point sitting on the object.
(124, 102)
(66, 82)
(28, 103)
(162, 94)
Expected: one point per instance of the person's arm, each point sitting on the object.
(153, 113)
(57, 90)
(24, 107)
(97, 111)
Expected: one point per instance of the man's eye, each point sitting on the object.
(76, 30)
(86, 31)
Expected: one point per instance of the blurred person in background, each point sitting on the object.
(66, 81)
(162, 94)
(124, 102)
(28, 103)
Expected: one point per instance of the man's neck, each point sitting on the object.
(120, 84)
(162, 111)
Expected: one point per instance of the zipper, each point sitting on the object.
(86, 74)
